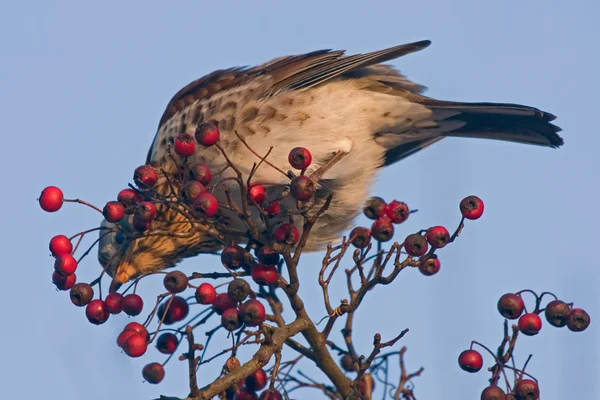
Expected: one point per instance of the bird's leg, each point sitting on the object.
(337, 156)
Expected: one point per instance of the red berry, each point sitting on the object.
(348, 363)
(527, 389)
(493, 393)
(129, 197)
(123, 336)
(470, 360)
(201, 173)
(145, 176)
(135, 345)
(114, 303)
(578, 320)
(232, 257)
(206, 204)
(178, 310)
(382, 229)
(299, 158)
(207, 134)
(264, 274)
(153, 373)
(257, 193)
(287, 234)
(267, 255)
(230, 319)
(132, 304)
(65, 264)
(437, 236)
(222, 302)
(245, 394)
(167, 343)
(374, 208)
(397, 211)
(141, 225)
(59, 245)
(360, 237)
(206, 293)
(191, 190)
(556, 313)
(275, 395)
(238, 290)
(273, 208)
(257, 380)
(471, 207)
(430, 266)
(96, 312)
(415, 245)
(530, 324)
(252, 312)
(51, 199)
(302, 188)
(137, 328)
(175, 281)
(511, 306)
(63, 282)
(185, 146)
(113, 211)
(81, 294)
(145, 212)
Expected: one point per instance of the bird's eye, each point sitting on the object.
(119, 238)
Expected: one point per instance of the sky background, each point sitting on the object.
(82, 87)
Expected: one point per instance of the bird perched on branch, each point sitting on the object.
(330, 103)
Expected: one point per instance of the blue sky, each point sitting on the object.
(82, 87)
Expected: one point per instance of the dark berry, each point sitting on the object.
(238, 290)
(471, 207)
(273, 208)
(382, 229)
(257, 380)
(299, 158)
(374, 208)
(556, 313)
(252, 312)
(527, 389)
(493, 393)
(267, 255)
(430, 266)
(135, 345)
(578, 320)
(360, 237)
(207, 134)
(191, 191)
(232, 257)
(132, 304)
(114, 303)
(415, 245)
(177, 311)
(397, 211)
(81, 294)
(129, 197)
(201, 173)
(153, 373)
(470, 361)
(167, 343)
(302, 188)
(511, 306)
(287, 234)
(230, 319)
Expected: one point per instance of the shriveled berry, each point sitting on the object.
(137, 328)
(471, 207)
(145, 211)
(238, 290)
(185, 146)
(230, 319)
(397, 211)
(415, 245)
(360, 237)
(437, 236)
(232, 257)
(129, 197)
(252, 312)
(578, 320)
(113, 211)
(205, 293)
(302, 188)
(274, 395)
(430, 266)
(51, 199)
(206, 204)
(135, 345)
(470, 361)
(287, 234)
(374, 208)
(59, 245)
(257, 193)
(153, 373)
(348, 363)
(382, 229)
(201, 172)
(530, 324)
(222, 302)
(556, 313)
(264, 274)
(207, 134)
(299, 158)
(96, 312)
(114, 303)
(175, 281)
(145, 176)
(177, 311)
(81, 294)
(191, 191)
(65, 264)
(257, 380)
(493, 393)
(132, 304)
(527, 389)
(63, 282)
(511, 305)
(167, 343)
(267, 255)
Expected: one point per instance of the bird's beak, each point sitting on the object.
(124, 272)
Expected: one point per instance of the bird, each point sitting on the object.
(328, 102)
